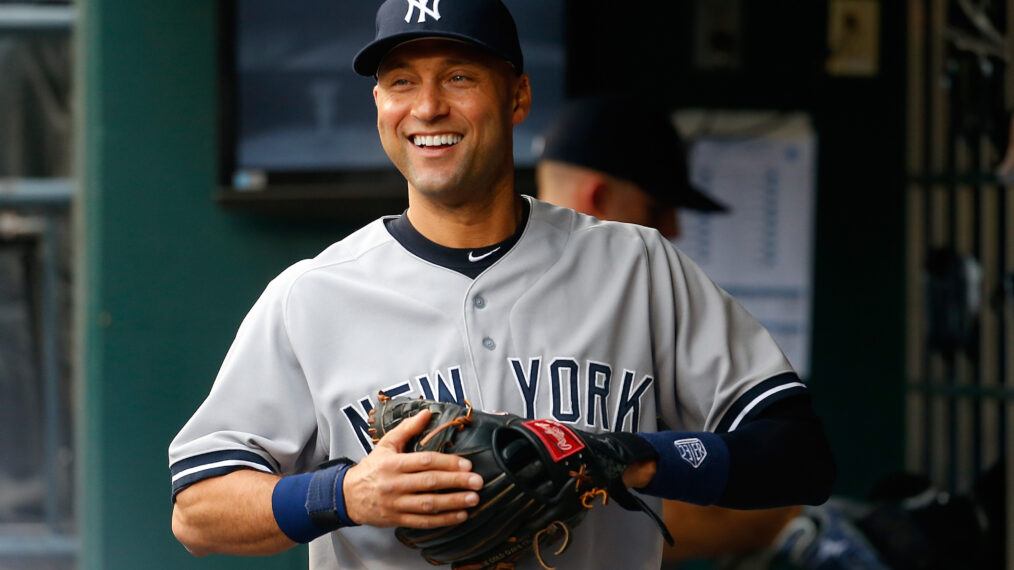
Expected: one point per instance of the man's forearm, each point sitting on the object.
(705, 532)
(230, 514)
(250, 513)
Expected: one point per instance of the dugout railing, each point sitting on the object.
(960, 245)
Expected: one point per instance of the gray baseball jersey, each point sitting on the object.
(602, 325)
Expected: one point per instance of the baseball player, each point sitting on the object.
(478, 293)
(617, 158)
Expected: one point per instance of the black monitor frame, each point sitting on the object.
(352, 195)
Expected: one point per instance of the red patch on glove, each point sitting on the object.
(557, 438)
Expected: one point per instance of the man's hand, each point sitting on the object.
(391, 488)
(639, 474)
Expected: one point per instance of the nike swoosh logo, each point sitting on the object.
(473, 258)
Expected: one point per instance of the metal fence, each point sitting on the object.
(960, 405)
(36, 446)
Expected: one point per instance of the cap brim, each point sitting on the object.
(367, 61)
(685, 197)
(694, 200)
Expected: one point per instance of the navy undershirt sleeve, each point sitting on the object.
(780, 456)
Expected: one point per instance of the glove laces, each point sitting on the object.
(538, 539)
(459, 422)
(580, 478)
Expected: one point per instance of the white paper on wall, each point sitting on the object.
(763, 167)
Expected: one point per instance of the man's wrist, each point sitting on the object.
(640, 474)
(310, 505)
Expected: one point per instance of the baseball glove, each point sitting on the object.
(540, 479)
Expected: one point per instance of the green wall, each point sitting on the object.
(164, 274)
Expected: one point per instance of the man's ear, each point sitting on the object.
(594, 197)
(522, 100)
(375, 87)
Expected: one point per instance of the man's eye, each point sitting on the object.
(459, 78)
(392, 82)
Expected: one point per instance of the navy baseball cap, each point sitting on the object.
(485, 23)
(630, 139)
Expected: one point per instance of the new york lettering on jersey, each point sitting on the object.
(587, 395)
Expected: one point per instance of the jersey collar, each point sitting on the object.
(469, 262)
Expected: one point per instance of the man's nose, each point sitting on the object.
(429, 103)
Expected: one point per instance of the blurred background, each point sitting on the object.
(161, 161)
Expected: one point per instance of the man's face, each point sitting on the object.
(445, 112)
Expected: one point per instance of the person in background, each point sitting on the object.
(618, 158)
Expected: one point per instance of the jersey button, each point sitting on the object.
(479, 301)
(488, 343)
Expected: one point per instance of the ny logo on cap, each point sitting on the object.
(424, 9)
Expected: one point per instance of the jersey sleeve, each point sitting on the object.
(259, 413)
(725, 368)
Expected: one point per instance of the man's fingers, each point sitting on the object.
(427, 461)
(428, 481)
(397, 438)
(432, 521)
(436, 503)
(434, 510)
(377, 496)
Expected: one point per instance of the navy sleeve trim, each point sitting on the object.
(186, 472)
(756, 399)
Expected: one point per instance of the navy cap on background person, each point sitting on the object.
(630, 139)
(485, 23)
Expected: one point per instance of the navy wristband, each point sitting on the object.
(693, 467)
(325, 500)
(310, 505)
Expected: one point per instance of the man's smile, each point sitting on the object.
(436, 140)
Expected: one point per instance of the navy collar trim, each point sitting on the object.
(468, 262)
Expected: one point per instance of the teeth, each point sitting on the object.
(436, 140)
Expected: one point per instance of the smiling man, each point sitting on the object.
(445, 112)
(478, 294)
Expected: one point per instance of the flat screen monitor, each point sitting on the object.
(298, 124)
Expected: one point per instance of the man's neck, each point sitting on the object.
(476, 224)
